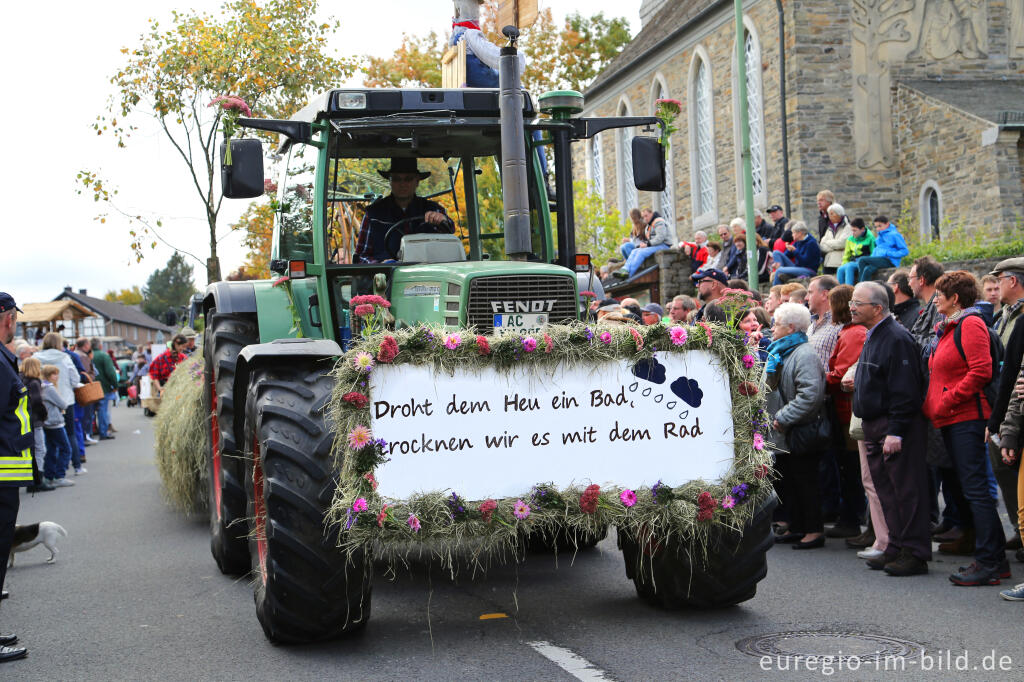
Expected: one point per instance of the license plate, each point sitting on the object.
(519, 323)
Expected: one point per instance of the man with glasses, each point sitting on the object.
(404, 177)
(711, 284)
(923, 274)
(887, 396)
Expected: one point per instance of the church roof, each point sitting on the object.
(996, 100)
(669, 23)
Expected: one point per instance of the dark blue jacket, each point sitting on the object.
(889, 381)
(16, 437)
(807, 253)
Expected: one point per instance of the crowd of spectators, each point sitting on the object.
(897, 408)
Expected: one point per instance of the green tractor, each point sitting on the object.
(270, 345)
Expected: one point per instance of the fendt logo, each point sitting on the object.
(541, 306)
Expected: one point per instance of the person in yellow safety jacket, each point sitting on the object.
(15, 451)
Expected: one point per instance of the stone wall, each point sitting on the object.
(674, 270)
(979, 267)
(975, 168)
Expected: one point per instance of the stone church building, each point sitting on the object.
(901, 107)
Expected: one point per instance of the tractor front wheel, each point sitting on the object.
(306, 588)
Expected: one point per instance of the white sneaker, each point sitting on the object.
(90, 440)
(63, 483)
(870, 553)
(81, 470)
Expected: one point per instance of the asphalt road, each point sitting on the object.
(135, 595)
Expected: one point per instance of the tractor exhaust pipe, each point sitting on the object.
(513, 152)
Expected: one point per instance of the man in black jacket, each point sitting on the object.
(907, 306)
(15, 452)
(888, 396)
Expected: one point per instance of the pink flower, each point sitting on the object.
(588, 294)
(269, 187)
(637, 338)
(548, 344)
(628, 497)
(370, 299)
(482, 347)
(748, 361)
(678, 335)
(364, 310)
(671, 104)
(363, 361)
(606, 337)
(371, 478)
(382, 516)
(706, 329)
(728, 502)
(487, 508)
(758, 441)
(231, 103)
(452, 341)
(521, 510)
(388, 349)
(359, 437)
(360, 505)
(529, 344)
(414, 523)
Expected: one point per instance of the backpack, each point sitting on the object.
(995, 349)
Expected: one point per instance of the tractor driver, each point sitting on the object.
(404, 176)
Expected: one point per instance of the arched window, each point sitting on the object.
(702, 143)
(627, 190)
(666, 199)
(931, 211)
(596, 166)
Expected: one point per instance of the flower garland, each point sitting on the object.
(447, 522)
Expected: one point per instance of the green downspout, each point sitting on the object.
(748, 173)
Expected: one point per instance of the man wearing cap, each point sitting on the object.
(404, 175)
(778, 217)
(651, 314)
(710, 283)
(15, 451)
(1008, 325)
(190, 335)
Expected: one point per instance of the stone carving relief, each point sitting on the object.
(1016, 10)
(876, 24)
(949, 27)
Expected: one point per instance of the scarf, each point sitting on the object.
(940, 328)
(465, 24)
(778, 350)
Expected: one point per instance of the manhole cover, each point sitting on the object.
(846, 645)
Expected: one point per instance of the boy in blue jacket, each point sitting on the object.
(890, 248)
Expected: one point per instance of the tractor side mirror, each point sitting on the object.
(648, 164)
(243, 178)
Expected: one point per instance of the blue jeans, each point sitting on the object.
(74, 431)
(965, 442)
(638, 255)
(627, 249)
(103, 413)
(58, 453)
(869, 265)
(847, 273)
(788, 267)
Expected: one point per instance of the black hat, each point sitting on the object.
(7, 303)
(401, 164)
(713, 273)
(772, 209)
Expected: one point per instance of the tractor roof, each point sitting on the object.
(351, 103)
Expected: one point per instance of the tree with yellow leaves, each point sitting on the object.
(271, 55)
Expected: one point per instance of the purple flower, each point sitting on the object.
(529, 344)
(627, 497)
(590, 334)
(748, 361)
(414, 523)
(360, 505)
(739, 491)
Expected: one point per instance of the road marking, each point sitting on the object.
(492, 616)
(577, 666)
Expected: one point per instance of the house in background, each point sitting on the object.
(909, 108)
(117, 320)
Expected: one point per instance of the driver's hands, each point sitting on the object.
(435, 217)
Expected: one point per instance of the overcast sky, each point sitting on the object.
(58, 60)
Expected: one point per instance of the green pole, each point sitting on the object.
(748, 173)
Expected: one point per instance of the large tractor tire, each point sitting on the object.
(669, 575)
(226, 334)
(306, 588)
(563, 541)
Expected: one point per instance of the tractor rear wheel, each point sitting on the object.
(306, 587)
(226, 334)
(671, 576)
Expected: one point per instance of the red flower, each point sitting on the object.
(637, 338)
(364, 310)
(588, 294)
(388, 349)
(588, 500)
(706, 504)
(482, 347)
(705, 514)
(747, 388)
(371, 479)
(487, 508)
(356, 399)
(762, 471)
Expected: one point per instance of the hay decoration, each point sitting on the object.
(181, 439)
(443, 524)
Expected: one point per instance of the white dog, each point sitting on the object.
(44, 532)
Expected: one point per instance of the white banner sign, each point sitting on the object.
(497, 433)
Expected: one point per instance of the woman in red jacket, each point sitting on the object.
(844, 355)
(960, 366)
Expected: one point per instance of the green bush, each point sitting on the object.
(958, 242)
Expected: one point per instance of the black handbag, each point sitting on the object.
(811, 437)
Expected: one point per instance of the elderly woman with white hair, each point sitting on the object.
(801, 258)
(797, 382)
(833, 241)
